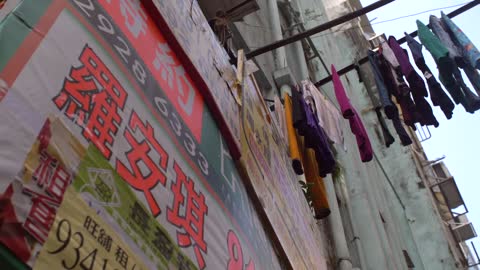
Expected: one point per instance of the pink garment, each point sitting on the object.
(348, 112)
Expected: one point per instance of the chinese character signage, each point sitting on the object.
(111, 158)
(82, 240)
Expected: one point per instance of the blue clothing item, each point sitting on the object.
(470, 52)
(473, 76)
(415, 47)
(387, 136)
(438, 28)
(451, 78)
(387, 103)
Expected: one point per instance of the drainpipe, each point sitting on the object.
(298, 52)
(279, 56)
(336, 226)
(356, 240)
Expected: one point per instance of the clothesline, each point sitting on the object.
(317, 29)
(402, 40)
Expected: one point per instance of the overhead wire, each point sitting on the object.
(388, 20)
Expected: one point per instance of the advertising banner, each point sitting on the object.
(144, 163)
(264, 155)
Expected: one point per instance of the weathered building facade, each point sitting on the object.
(137, 127)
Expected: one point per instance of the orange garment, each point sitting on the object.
(292, 137)
(316, 186)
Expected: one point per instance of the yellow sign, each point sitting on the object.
(80, 239)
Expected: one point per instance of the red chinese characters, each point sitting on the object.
(51, 176)
(236, 254)
(54, 179)
(188, 213)
(41, 215)
(93, 98)
(140, 153)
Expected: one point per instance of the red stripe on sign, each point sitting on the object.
(162, 61)
(31, 43)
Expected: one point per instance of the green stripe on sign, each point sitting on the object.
(8, 261)
(17, 25)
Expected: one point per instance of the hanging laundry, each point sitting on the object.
(437, 95)
(471, 101)
(439, 30)
(450, 75)
(307, 125)
(328, 115)
(305, 159)
(417, 85)
(400, 90)
(348, 112)
(316, 184)
(382, 73)
(387, 136)
(389, 55)
(470, 52)
(456, 53)
(473, 76)
(383, 93)
(292, 137)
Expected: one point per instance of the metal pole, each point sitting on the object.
(279, 56)
(340, 244)
(317, 29)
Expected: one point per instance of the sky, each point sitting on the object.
(458, 139)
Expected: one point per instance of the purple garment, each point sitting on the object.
(348, 112)
(307, 125)
(417, 85)
(402, 58)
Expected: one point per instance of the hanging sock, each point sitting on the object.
(387, 136)
(316, 184)
(437, 95)
(440, 31)
(473, 76)
(391, 84)
(472, 100)
(383, 93)
(417, 85)
(446, 66)
(470, 52)
(348, 112)
(407, 68)
(402, 133)
(397, 88)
